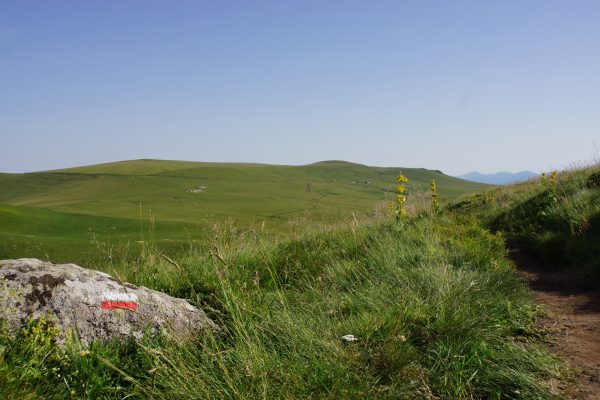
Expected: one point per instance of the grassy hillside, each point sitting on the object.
(558, 219)
(171, 201)
(435, 304)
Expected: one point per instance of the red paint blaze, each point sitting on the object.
(123, 305)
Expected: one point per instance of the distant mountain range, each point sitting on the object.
(499, 178)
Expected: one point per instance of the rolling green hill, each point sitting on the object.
(64, 214)
(433, 302)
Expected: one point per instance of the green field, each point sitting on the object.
(433, 299)
(92, 213)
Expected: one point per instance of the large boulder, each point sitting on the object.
(92, 304)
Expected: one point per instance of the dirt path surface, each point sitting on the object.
(573, 322)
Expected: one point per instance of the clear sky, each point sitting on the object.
(450, 85)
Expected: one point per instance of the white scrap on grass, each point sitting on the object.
(197, 189)
(349, 338)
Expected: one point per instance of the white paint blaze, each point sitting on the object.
(116, 296)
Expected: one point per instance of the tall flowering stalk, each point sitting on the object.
(552, 185)
(552, 181)
(401, 196)
(543, 181)
(391, 209)
(435, 202)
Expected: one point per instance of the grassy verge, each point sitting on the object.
(434, 303)
(558, 220)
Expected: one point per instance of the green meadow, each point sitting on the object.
(434, 302)
(91, 214)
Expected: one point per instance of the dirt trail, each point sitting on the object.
(573, 321)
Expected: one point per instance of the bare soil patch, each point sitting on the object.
(572, 304)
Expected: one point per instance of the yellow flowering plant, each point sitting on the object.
(435, 202)
(390, 209)
(552, 185)
(543, 180)
(401, 197)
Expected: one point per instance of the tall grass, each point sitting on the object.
(559, 222)
(435, 305)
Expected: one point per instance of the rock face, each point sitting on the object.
(92, 304)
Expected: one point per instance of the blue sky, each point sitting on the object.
(450, 85)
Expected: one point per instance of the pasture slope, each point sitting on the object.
(96, 211)
(433, 300)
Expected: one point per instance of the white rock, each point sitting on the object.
(92, 304)
(349, 338)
